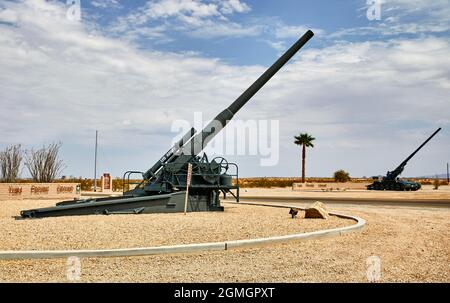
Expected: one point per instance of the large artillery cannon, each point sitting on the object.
(164, 185)
(392, 182)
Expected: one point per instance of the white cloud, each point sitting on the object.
(51, 66)
(195, 17)
(404, 17)
(283, 31)
(106, 3)
(60, 82)
(279, 46)
(200, 19)
(193, 8)
(380, 96)
(231, 6)
(279, 33)
(212, 29)
(8, 16)
(389, 30)
(437, 8)
(180, 8)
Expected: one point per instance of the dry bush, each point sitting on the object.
(44, 164)
(426, 182)
(436, 184)
(429, 181)
(117, 184)
(10, 161)
(341, 176)
(267, 182)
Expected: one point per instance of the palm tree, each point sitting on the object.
(305, 140)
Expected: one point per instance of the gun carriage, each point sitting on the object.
(392, 181)
(163, 185)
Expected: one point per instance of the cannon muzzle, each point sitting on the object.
(253, 89)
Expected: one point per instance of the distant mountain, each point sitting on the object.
(439, 176)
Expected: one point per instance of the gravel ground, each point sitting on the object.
(127, 231)
(413, 245)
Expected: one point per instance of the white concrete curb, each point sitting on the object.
(188, 248)
(298, 237)
(122, 252)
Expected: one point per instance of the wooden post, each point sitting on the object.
(188, 182)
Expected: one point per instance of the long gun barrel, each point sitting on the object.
(162, 190)
(199, 142)
(396, 172)
(169, 154)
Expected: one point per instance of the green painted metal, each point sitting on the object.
(392, 182)
(164, 184)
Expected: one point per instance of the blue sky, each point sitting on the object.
(260, 18)
(369, 90)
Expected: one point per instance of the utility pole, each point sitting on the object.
(95, 162)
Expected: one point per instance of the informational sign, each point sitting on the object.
(189, 175)
(106, 182)
(188, 183)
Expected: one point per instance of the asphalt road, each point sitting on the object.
(433, 203)
(429, 203)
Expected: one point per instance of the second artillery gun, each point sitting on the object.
(164, 185)
(392, 182)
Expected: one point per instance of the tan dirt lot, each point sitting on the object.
(427, 192)
(145, 230)
(413, 244)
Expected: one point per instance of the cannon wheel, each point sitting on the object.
(223, 163)
(212, 171)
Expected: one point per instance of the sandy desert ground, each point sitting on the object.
(413, 244)
(128, 231)
(427, 192)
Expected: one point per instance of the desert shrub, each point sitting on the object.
(10, 161)
(430, 181)
(117, 184)
(44, 164)
(341, 176)
(436, 183)
(267, 182)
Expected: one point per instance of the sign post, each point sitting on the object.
(188, 183)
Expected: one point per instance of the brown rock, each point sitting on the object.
(317, 210)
